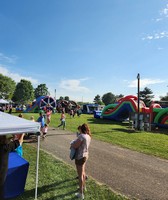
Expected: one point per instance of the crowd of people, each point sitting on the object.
(6, 107)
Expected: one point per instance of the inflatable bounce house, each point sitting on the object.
(89, 108)
(66, 105)
(120, 111)
(41, 103)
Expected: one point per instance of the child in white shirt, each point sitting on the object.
(44, 130)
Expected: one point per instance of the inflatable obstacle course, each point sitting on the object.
(121, 110)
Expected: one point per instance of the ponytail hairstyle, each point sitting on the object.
(85, 129)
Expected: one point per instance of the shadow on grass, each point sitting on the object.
(126, 130)
(62, 196)
(160, 131)
(57, 186)
(106, 121)
(111, 131)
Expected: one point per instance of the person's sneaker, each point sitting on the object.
(79, 195)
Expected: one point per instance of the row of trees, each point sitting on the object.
(145, 95)
(22, 92)
(107, 98)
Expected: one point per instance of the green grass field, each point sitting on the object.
(56, 179)
(153, 143)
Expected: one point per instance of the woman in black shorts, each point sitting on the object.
(82, 145)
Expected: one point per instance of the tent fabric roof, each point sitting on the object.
(10, 124)
(3, 101)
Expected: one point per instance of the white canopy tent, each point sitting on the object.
(10, 124)
(3, 101)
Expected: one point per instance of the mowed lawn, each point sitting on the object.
(153, 143)
(56, 179)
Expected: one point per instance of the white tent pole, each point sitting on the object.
(37, 164)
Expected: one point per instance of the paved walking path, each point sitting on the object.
(130, 173)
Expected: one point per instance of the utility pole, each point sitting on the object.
(55, 94)
(138, 78)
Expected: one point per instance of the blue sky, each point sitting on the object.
(83, 48)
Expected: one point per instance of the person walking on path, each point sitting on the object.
(81, 144)
(41, 120)
(48, 115)
(44, 131)
(62, 119)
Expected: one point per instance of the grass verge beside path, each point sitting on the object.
(117, 133)
(57, 180)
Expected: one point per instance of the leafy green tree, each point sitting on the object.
(119, 96)
(97, 100)
(41, 90)
(66, 98)
(24, 92)
(164, 98)
(61, 98)
(7, 87)
(108, 98)
(146, 96)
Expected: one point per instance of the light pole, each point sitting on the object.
(55, 93)
(138, 78)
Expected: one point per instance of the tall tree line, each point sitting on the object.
(21, 92)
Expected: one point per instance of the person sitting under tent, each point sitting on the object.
(5, 148)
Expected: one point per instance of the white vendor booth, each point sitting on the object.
(10, 124)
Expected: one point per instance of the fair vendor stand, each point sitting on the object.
(10, 124)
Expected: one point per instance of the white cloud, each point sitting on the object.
(16, 77)
(74, 85)
(145, 82)
(159, 34)
(155, 36)
(7, 59)
(164, 11)
(163, 14)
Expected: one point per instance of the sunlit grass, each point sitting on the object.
(117, 133)
(57, 180)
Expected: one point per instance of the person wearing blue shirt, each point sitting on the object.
(41, 120)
